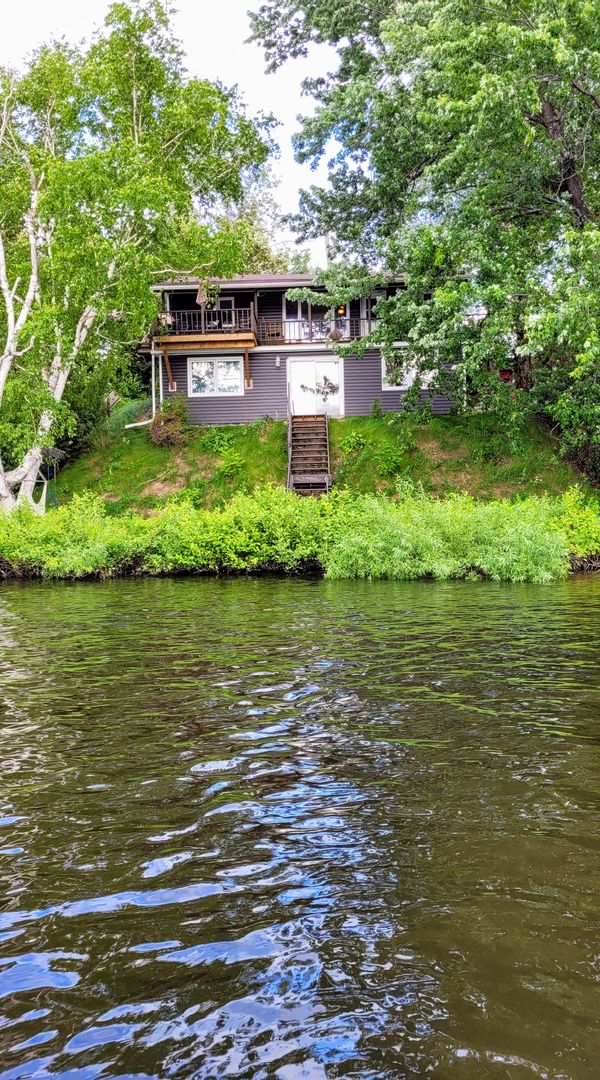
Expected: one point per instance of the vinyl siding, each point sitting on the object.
(268, 396)
(362, 384)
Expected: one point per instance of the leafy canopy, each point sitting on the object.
(464, 150)
(112, 159)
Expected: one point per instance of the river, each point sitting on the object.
(293, 829)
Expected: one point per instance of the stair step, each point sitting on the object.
(309, 456)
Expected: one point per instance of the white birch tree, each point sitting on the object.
(106, 153)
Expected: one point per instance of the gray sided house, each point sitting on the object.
(252, 353)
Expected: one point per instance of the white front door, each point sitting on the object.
(315, 386)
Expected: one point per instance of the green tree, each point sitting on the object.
(109, 158)
(466, 155)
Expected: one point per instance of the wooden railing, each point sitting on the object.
(296, 331)
(207, 321)
(267, 330)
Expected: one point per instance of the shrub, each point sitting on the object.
(346, 536)
(389, 461)
(216, 440)
(579, 521)
(448, 538)
(352, 442)
(170, 425)
(376, 410)
(231, 465)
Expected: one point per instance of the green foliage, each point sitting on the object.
(579, 520)
(231, 465)
(455, 537)
(352, 442)
(389, 460)
(376, 411)
(216, 440)
(120, 147)
(170, 426)
(129, 412)
(346, 536)
(468, 156)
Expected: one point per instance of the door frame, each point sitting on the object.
(339, 360)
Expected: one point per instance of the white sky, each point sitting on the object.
(213, 35)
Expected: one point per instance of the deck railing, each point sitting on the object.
(297, 331)
(207, 321)
(267, 330)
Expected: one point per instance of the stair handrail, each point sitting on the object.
(289, 436)
(328, 459)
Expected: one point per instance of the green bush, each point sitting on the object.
(231, 465)
(456, 537)
(216, 440)
(579, 521)
(389, 461)
(352, 442)
(346, 536)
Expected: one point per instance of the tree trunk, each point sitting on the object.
(570, 179)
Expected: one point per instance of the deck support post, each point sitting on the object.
(169, 372)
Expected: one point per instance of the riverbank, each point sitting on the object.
(443, 455)
(343, 536)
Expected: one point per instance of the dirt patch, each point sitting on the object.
(461, 479)
(503, 491)
(199, 465)
(437, 453)
(162, 487)
(109, 496)
(179, 475)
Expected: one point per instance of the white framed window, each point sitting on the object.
(215, 376)
(394, 379)
(397, 377)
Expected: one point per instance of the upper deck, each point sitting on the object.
(252, 311)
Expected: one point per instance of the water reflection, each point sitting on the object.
(296, 829)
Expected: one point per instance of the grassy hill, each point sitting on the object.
(445, 454)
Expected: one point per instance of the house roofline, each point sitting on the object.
(251, 282)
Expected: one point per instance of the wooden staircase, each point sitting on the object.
(308, 455)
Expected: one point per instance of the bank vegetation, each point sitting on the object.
(342, 535)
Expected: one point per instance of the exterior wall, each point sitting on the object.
(269, 305)
(268, 396)
(362, 384)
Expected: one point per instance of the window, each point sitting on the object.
(216, 376)
(397, 374)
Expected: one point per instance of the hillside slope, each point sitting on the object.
(368, 454)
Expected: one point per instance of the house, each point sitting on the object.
(252, 352)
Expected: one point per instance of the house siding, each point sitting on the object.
(362, 384)
(267, 397)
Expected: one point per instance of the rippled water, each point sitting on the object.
(301, 830)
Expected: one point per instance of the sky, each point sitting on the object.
(213, 35)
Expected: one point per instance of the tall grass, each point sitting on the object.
(343, 535)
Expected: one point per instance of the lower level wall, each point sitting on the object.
(362, 384)
(267, 397)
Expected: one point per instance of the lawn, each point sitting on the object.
(368, 454)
